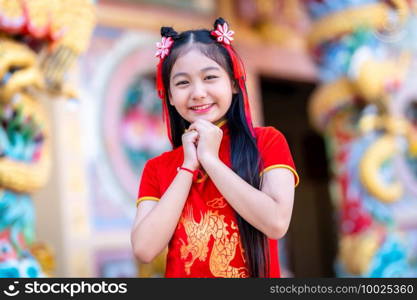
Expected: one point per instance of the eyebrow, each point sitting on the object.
(202, 70)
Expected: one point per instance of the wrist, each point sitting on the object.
(192, 172)
(207, 160)
(190, 166)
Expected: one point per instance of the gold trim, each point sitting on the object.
(297, 178)
(220, 122)
(146, 198)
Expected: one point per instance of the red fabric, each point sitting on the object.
(206, 242)
(274, 149)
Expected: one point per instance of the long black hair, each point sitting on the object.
(245, 156)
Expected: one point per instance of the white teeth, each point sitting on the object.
(201, 107)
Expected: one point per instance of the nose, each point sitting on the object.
(199, 91)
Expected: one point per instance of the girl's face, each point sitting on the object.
(200, 88)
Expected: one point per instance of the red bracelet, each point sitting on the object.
(185, 169)
(195, 173)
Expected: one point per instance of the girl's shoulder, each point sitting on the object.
(274, 150)
(267, 132)
(270, 139)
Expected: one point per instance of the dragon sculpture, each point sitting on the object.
(365, 110)
(39, 42)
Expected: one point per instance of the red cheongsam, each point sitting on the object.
(206, 241)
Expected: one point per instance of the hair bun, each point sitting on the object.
(219, 21)
(168, 32)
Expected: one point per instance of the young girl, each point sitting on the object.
(224, 195)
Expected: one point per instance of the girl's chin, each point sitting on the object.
(208, 118)
(211, 120)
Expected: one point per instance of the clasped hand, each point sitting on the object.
(201, 143)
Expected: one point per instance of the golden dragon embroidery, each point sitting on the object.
(217, 203)
(224, 248)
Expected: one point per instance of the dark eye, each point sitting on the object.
(210, 77)
(181, 82)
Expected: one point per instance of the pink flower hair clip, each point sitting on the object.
(223, 34)
(163, 47)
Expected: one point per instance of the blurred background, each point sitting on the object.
(80, 117)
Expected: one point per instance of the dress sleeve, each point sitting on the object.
(149, 187)
(275, 152)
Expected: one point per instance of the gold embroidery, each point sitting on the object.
(233, 226)
(242, 251)
(217, 203)
(198, 236)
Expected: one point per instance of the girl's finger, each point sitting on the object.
(195, 126)
(201, 125)
(194, 134)
(208, 126)
(188, 130)
(190, 136)
(204, 123)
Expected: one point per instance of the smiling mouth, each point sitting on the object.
(202, 107)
